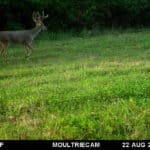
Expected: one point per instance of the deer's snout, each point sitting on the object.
(44, 28)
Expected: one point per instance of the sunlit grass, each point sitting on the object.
(94, 87)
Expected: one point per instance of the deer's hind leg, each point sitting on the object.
(4, 46)
(1, 44)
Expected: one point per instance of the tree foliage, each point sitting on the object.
(76, 14)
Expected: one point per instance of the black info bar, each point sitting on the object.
(75, 144)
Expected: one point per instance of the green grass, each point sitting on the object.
(94, 87)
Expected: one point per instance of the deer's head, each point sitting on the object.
(38, 19)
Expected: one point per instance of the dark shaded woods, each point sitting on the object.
(75, 14)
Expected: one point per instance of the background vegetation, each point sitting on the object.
(76, 14)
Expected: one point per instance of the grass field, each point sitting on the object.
(94, 87)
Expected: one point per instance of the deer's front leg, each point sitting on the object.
(28, 50)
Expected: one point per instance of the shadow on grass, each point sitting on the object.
(2, 77)
(44, 57)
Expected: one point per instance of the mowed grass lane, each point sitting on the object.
(78, 88)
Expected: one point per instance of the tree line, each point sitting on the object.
(75, 14)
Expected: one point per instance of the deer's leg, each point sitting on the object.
(4, 53)
(1, 44)
(28, 49)
(4, 49)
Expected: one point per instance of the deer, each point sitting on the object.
(24, 37)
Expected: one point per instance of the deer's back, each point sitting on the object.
(15, 36)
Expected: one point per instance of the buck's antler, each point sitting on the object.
(34, 16)
(43, 16)
(37, 17)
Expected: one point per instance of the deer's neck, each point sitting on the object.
(35, 31)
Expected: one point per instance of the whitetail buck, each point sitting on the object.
(24, 37)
